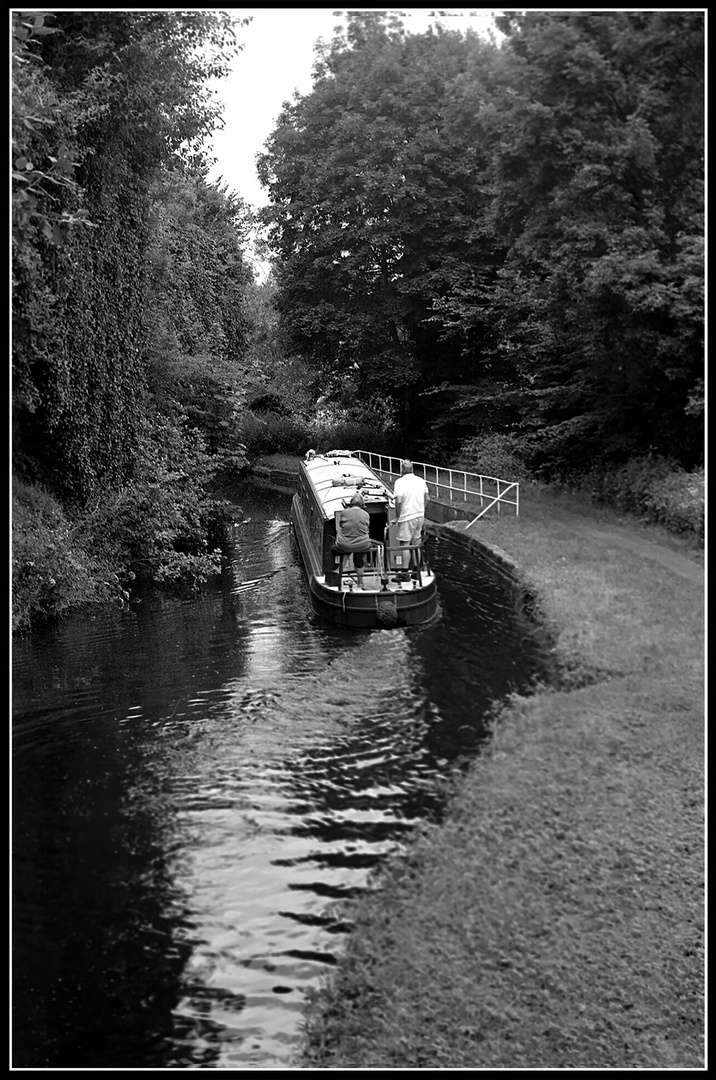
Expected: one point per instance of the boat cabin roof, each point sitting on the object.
(335, 477)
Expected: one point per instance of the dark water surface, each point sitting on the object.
(197, 783)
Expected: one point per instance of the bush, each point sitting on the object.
(201, 392)
(272, 433)
(354, 435)
(158, 525)
(492, 455)
(656, 489)
(252, 431)
(155, 528)
(52, 570)
(679, 502)
(285, 433)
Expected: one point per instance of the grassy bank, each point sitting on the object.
(556, 919)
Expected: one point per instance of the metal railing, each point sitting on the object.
(455, 485)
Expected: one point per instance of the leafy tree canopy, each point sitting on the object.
(370, 201)
(519, 228)
(109, 112)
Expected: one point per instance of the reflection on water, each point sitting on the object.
(198, 783)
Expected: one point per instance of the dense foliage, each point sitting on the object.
(128, 285)
(495, 251)
(52, 570)
(120, 94)
(198, 339)
(504, 239)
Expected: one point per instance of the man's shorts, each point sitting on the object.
(410, 530)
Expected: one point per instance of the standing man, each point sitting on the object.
(411, 500)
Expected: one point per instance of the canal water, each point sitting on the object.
(199, 783)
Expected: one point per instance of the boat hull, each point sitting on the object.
(393, 606)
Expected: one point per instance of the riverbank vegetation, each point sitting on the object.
(556, 917)
(485, 253)
(127, 278)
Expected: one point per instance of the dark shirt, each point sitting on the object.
(352, 530)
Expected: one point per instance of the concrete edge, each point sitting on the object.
(489, 553)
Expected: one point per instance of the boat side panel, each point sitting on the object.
(313, 518)
(304, 539)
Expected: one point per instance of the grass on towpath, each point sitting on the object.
(556, 918)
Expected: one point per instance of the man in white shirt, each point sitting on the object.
(411, 499)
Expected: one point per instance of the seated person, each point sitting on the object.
(352, 529)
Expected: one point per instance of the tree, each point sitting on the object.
(198, 281)
(371, 204)
(124, 98)
(594, 298)
(508, 237)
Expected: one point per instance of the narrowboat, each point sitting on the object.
(392, 595)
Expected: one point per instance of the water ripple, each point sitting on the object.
(200, 784)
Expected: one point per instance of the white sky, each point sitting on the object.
(276, 60)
